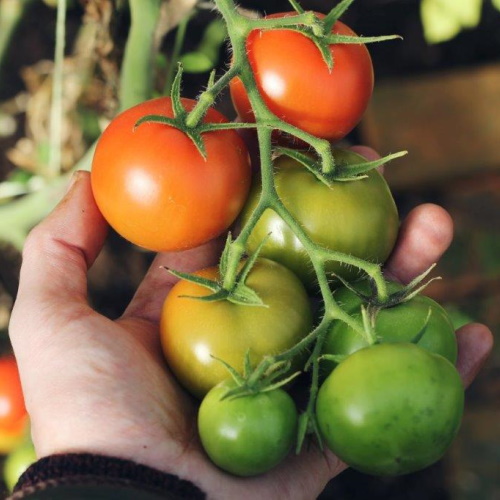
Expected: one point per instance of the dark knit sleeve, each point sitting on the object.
(86, 476)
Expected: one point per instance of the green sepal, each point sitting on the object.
(218, 292)
(163, 120)
(234, 375)
(296, 6)
(224, 258)
(195, 136)
(334, 15)
(175, 95)
(335, 39)
(354, 172)
(244, 295)
(418, 337)
(336, 358)
(309, 162)
(193, 278)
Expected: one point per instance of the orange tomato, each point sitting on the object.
(155, 188)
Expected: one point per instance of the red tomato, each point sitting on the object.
(154, 187)
(13, 415)
(297, 86)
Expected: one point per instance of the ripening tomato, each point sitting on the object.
(154, 187)
(247, 435)
(193, 332)
(390, 409)
(297, 86)
(358, 218)
(399, 323)
(13, 415)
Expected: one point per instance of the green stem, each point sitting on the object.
(208, 97)
(136, 80)
(176, 52)
(19, 216)
(56, 109)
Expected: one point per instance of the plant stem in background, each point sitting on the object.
(56, 109)
(136, 81)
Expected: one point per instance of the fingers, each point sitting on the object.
(424, 236)
(151, 294)
(475, 342)
(59, 251)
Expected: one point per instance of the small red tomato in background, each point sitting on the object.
(297, 86)
(155, 188)
(13, 415)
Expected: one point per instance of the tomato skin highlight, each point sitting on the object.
(358, 218)
(390, 409)
(248, 435)
(192, 331)
(156, 190)
(400, 323)
(301, 90)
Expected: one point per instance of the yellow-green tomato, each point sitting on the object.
(194, 333)
(247, 435)
(390, 409)
(358, 218)
(17, 461)
(400, 323)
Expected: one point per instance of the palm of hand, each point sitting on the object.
(100, 386)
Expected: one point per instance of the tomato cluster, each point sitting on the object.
(159, 189)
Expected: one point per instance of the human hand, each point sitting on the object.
(97, 386)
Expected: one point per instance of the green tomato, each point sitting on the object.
(194, 333)
(390, 409)
(247, 435)
(400, 323)
(17, 461)
(358, 218)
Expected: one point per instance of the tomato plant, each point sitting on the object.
(155, 188)
(399, 323)
(358, 217)
(301, 90)
(193, 331)
(13, 415)
(247, 435)
(390, 409)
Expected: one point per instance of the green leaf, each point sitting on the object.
(496, 4)
(442, 20)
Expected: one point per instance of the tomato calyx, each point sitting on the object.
(265, 377)
(341, 171)
(403, 293)
(319, 30)
(191, 123)
(235, 289)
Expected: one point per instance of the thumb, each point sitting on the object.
(59, 251)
